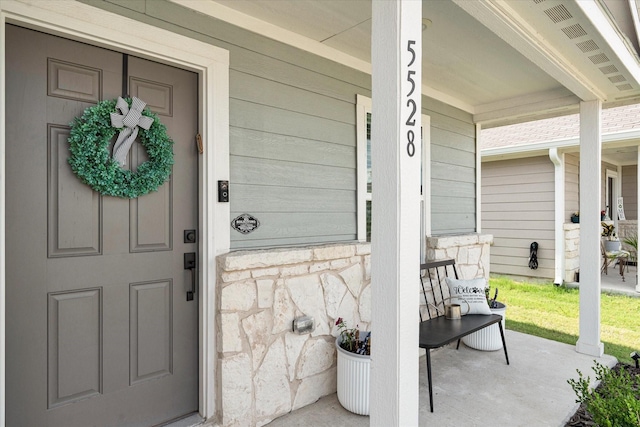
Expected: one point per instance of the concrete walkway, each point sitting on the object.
(476, 388)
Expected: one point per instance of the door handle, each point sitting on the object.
(190, 264)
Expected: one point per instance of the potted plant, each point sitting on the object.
(632, 241)
(611, 242)
(488, 339)
(354, 363)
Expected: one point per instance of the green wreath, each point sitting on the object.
(91, 161)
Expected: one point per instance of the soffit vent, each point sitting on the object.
(609, 69)
(599, 58)
(574, 31)
(587, 46)
(558, 13)
(617, 79)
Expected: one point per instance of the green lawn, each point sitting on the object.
(551, 312)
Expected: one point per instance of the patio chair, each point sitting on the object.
(620, 257)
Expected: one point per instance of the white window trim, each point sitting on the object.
(92, 25)
(613, 211)
(426, 186)
(363, 107)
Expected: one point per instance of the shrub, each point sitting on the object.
(615, 402)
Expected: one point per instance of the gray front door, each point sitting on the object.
(99, 329)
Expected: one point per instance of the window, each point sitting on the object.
(364, 188)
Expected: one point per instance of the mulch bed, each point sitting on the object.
(582, 418)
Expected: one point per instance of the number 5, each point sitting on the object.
(413, 52)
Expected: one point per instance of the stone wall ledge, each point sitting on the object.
(265, 258)
(471, 252)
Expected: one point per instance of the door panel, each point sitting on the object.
(75, 346)
(73, 209)
(99, 331)
(151, 330)
(73, 81)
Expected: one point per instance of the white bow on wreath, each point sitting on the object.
(130, 119)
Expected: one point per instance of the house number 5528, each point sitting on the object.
(411, 103)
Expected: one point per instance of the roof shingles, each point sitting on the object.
(614, 120)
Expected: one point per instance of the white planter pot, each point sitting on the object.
(487, 339)
(354, 371)
(612, 245)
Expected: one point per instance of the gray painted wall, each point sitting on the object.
(293, 136)
(518, 209)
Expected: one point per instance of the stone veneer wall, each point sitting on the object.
(471, 252)
(627, 228)
(571, 251)
(265, 369)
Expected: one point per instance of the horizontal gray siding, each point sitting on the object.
(294, 143)
(293, 136)
(518, 209)
(571, 185)
(630, 191)
(453, 169)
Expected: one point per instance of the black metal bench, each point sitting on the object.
(436, 330)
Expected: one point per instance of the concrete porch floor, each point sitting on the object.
(477, 388)
(612, 281)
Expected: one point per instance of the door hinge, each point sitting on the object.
(199, 143)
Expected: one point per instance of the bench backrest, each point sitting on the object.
(434, 286)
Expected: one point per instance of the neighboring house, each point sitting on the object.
(530, 189)
(285, 101)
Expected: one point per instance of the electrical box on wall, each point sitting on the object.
(223, 191)
(303, 325)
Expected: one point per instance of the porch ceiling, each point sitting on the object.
(503, 61)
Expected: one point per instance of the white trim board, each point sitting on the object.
(623, 139)
(85, 23)
(363, 107)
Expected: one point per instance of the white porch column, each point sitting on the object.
(478, 178)
(590, 159)
(558, 166)
(396, 50)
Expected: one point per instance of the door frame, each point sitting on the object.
(81, 22)
(612, 192)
